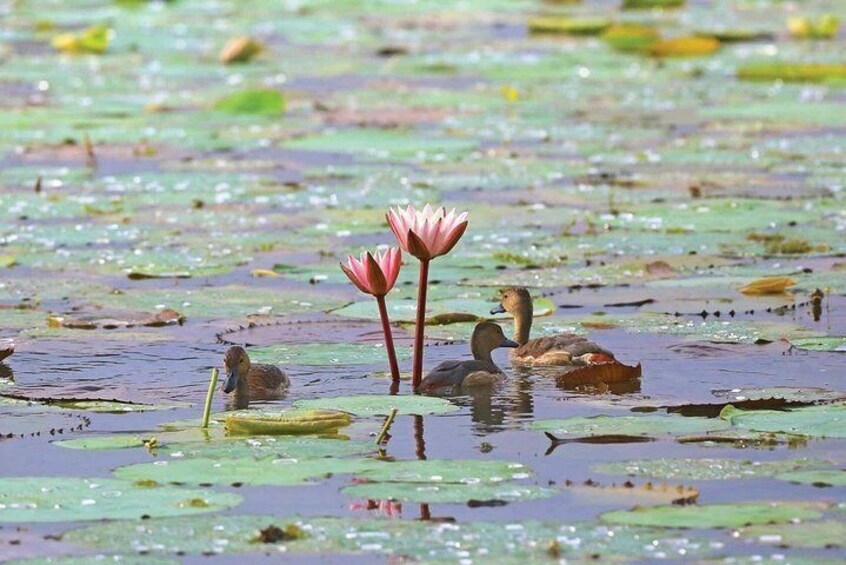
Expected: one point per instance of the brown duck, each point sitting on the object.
(252, 381)
(563, 349)
(478, 372)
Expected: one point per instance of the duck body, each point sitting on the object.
(251, 381)
(563, 349)
(480, 371)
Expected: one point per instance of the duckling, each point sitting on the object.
(555, 350)
(252, 382)
(481, 371)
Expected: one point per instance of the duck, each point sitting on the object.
(563, 349)
(252, 381)
(481, 371)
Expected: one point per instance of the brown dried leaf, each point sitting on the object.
(647, 493)
(768, 285)
(239, 50)
(594, 375)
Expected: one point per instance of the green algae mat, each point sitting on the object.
(666, 177)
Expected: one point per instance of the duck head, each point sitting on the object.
(236, 365)
(515, 301)
(488, 336)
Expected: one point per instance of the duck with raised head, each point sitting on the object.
(563, 349)
(251, 381)
(480, 371)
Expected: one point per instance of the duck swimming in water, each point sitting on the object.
(252, 381)
(563, 349)
(478, 372)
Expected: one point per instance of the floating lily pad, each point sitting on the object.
(64, 499)
(822, 477)
(287, 423)
(95, 560)
(789, 394)
(245, 470)
(448, 493)
(830, 343)
(715, 515)
(704, 469)
(379, 405)
(258, 102)
(261, 447)
(826, 421)
(317, 354)
(824, 534)
(425, 541)
(652, 425)
(444, 311)
(434, 471)
(95, 405)
(792, 72)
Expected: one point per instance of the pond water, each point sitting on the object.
(633, 190)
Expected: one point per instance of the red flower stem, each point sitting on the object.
(389, 340)
(423, 284)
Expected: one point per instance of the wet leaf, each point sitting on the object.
(329, 354)
(567, 25)
(253, 102)
(809, 395)
(435, 471)
(824, 534)
(827, 343)
(379, 405)
(818, 478)
(652, 425)
(826, 421)
(94, 40)
(769, 285)
(628, 37)
(792, 72)
(288, 423)
(715, 515)
(448, 493)
(239, 50)
(684, 47)
(65, 499)
(803, 27)
(646, 493)
(705, 469)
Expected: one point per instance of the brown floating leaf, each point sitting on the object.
(684, 47)
(164, 317)
(661, 269)
(239, 50)
(768, 285)
(6, 349)
(451, 318)
(647, 493)
(593, 375)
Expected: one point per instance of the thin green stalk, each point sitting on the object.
(209, 397)
(386, 426)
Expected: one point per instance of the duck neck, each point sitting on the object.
(243, 387)
(480, 352)
(523, 324)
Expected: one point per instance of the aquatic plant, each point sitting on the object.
(426, 234)
(376, 275)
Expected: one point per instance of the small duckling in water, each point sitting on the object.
(561, 349)
(481, 371)
(249, 381)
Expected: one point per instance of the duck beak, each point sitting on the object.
(231, 381)
(508, 343)
(498, 310)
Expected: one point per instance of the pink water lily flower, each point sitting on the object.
(374, 274)
(427, 233)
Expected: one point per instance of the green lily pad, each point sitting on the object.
(704, 469)
(652, 425)
(438, 311)
(258, 102)
(826, 343)
(244, 470)
(825, 534)
(792, 72)
(790, 394)
(95, 560)
(318, 354)
(434, 471)
(734, 515)
(64, 499)
(448, 493)
(425, 541)
(379, 405)
(826, 421)
(98, 443)
(381, 143)
(822, 477)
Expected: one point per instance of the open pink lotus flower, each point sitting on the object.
(374, 274)
(427, 233)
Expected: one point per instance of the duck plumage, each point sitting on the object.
(251, 380)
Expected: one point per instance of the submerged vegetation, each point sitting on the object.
(659, 182)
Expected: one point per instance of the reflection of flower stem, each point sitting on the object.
(417, 372)
(424, 512)
(420, 444)
(386, 426)
(389, 340)
(209, 397)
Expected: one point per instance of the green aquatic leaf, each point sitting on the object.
(824, 534)
(824, 343)
(98, 443)
(734, 515)
(821, 477)
(792, 72)
(318, 354)
(95, 560)
(652, 425)
(382, 144)
(379, 405)
(258, 102)
(448, 493)
(789, 394)
(65, 499)
(704, 469)
(421, 540)
(567, 25)
(826, 421)
(245, 470)
(444, 311)
(434, 471)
